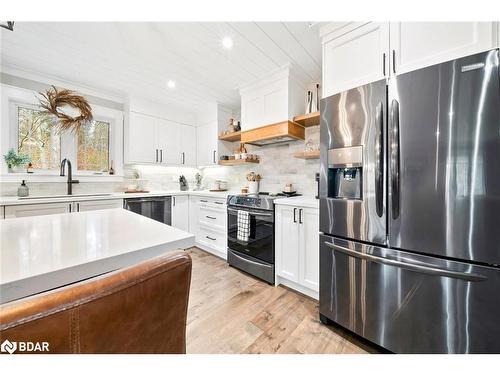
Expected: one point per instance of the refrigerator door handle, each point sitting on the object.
(395, 183)
(421, 268)
(379, 160)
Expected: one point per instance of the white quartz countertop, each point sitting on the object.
(40, 253)
(13, 201)
(301, 201)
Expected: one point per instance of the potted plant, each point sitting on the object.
(16, 161)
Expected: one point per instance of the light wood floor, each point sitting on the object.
(231, 312)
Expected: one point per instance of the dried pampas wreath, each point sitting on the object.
(53, 100)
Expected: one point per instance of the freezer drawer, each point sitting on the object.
(410, 303)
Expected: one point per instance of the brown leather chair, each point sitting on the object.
(140, 309)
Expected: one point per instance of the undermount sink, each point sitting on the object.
(65, 196)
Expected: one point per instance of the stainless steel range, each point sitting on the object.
(250, 234)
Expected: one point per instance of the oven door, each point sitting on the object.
(260, 243)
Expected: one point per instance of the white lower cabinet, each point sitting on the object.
(297, 248)
(39, 209)
(98, 205)
(180, 212)
(26, 210)
(208, 222)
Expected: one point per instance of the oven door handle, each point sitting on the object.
(251, 213)
(250, 261)
(421, 268)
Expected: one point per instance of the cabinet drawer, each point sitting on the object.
(212, 202)
(213, 217)
(212, 238)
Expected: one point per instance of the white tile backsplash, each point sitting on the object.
(277, 167)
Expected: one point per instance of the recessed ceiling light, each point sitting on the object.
(227, 42)
(171, 84)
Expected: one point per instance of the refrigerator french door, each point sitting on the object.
(427, 280)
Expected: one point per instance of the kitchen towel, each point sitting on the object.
(243, 226)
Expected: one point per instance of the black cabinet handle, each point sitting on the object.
(383, 63)
(173, 200)
(394, 61)
(183, 157)
(294, 213)
(300, 215)
(214, 156)
(157, 155)
(210, 217)
(161, 156)
(211, 238)
(203, 200)
(218, 203)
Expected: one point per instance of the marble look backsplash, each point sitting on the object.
(277, 167)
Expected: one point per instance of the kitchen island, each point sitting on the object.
(41, 253)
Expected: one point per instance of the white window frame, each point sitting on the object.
(111, 150)
(13, 97)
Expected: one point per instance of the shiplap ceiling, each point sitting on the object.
(137, 59)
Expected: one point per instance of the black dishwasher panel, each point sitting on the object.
(156, 208)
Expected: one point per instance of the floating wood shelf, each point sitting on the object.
(231, 137)
(307, 154)
(279, 132)
(237, 162)
(311, 119)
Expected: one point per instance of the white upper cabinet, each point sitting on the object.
(150, 139)
(275, 98)
(359, 53)
(169, 136)
(419, 44)
(355, 58)
(188, 145)
(140, 139)
(207, 144)
(209, 148)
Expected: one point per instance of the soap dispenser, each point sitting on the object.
(23, 190)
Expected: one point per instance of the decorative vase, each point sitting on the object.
(253, 187)
(16, 169)
(309, 102)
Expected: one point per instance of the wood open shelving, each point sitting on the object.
(237, 162)
(310, 119)
(231, 137)
(307, 154)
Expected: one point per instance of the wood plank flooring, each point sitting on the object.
(232, 312)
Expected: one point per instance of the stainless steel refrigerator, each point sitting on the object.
(410, 209)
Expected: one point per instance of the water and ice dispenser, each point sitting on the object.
(345, 172)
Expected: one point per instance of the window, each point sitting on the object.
(92, 150)
(38, 139)
(93, 147)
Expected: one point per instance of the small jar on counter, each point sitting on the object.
(23, 190)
